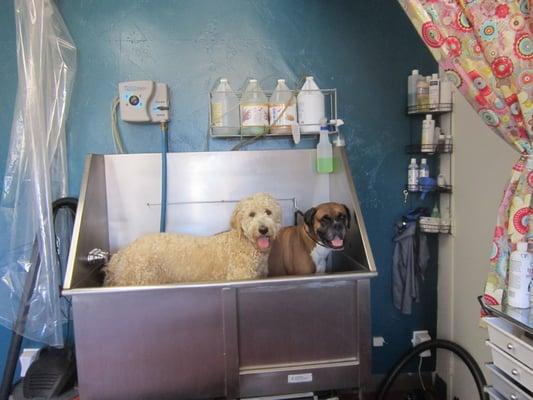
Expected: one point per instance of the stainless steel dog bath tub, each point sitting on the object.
(217, 339)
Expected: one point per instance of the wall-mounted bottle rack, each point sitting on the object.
(428, 224)
(330, 103)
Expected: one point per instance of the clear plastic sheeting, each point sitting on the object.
(36, 170)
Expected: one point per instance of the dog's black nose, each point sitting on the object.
(263, 230)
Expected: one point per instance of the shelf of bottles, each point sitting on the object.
(330, 110)
(429, 108)
(428, 149)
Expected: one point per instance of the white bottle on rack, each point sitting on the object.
(519, 277)
(311, 106)
(424, 169)
(224, 110)
(282, 109)
(434, 91)
(412, 81)
(422, 94)
(428, 135)
(445, 97)
(412, 176)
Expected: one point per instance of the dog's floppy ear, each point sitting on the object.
(348, 216)
(309, 216)
(235, 221)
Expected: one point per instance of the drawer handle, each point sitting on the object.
(513, 397)
(510, 346)
(514, 371)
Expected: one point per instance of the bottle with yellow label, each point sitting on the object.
(224, 110)
(254, 110)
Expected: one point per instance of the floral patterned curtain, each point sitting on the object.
(486, 50)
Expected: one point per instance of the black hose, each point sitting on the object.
(464, 355)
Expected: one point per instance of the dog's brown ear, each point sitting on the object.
(348, 216)
(235, 221)
(309, 216)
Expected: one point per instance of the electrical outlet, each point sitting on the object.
(419, 337)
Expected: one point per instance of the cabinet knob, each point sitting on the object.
(510, 346)
(513, 397)
(514, 371)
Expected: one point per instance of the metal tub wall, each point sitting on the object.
(219, 339)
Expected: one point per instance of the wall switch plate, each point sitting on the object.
(378, 341)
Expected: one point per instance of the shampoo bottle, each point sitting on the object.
(445, 98)
(311, 106)
(428, 135)
(424, 169)
(282, 109)
(254, 110)
(422, 94)
(224, 110)
(412, 176)
(519, 277)
(412, 81)
(434, 91)
(324, 151)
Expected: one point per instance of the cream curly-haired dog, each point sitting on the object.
(240, 253)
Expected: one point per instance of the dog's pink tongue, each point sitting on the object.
(263, 242)
(337, 242)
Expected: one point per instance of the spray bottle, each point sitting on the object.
(324, 151)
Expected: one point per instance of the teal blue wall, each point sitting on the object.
(365, 49)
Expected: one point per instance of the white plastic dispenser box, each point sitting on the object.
(144, 101)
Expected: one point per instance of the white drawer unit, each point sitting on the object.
(507, 388)
(511, 339)
(512, 367)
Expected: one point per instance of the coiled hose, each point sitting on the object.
(464, 355)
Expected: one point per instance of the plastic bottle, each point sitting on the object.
(412, 176)
(282, 109)
(324, 151)
(441, 139)
(424, 169)
(412, 81)
(428, 135)
(435, 213)
(519, 277)
(254, 110)
(224, 110)
(445, 97)
(311, 106)
(422, 94)
(434, 91)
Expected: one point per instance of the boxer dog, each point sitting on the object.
(303, 249)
